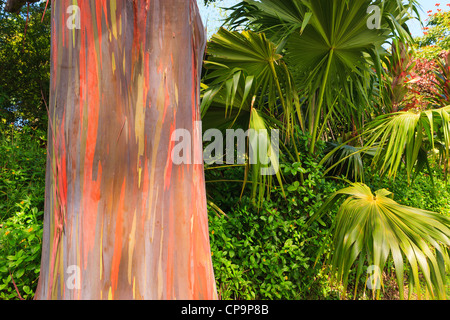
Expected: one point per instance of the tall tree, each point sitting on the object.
(24, 65)
(122, 220)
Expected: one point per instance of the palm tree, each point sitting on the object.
(248, 85)
(328, 74)
(331, 52)
(334, 62)
(442, 81)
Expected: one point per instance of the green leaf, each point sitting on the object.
(306, 20)
(402, 135)
(27, 289)
(374, 227)
(19, 273)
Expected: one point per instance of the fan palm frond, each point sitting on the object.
(371, 227)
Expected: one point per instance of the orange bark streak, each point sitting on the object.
(118, 242)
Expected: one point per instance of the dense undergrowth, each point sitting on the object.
(271, 253)
(266, 253)
(22, 188)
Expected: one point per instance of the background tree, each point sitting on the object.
(24, 65)
(436, 34)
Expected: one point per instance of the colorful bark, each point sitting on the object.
(117, 209)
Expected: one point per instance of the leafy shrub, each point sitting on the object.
(20, 252)
(22, 167)
(257, 254)
(422, 193)
(22, 189)
(268, 253)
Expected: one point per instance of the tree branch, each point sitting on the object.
(15, 286)
(14, 6)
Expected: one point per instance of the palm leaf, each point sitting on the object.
(401, 137)
(328, 45)
(374, 228)
(248, 86)
(345, 159)
(232, 55)
(264, 156)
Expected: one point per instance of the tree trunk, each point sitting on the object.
(122, 221)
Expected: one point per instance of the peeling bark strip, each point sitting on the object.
(118, 211)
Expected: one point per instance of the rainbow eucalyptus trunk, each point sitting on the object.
(122, 221)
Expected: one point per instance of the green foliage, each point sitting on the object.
(247, 85)
(257, 255)
(436, 35)
(268, 253)
(333, 56)
(25, 61)
(20, 252)
(409, 138)
(372, 228)
(22, 168)
(346, 159)
(422, 194)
